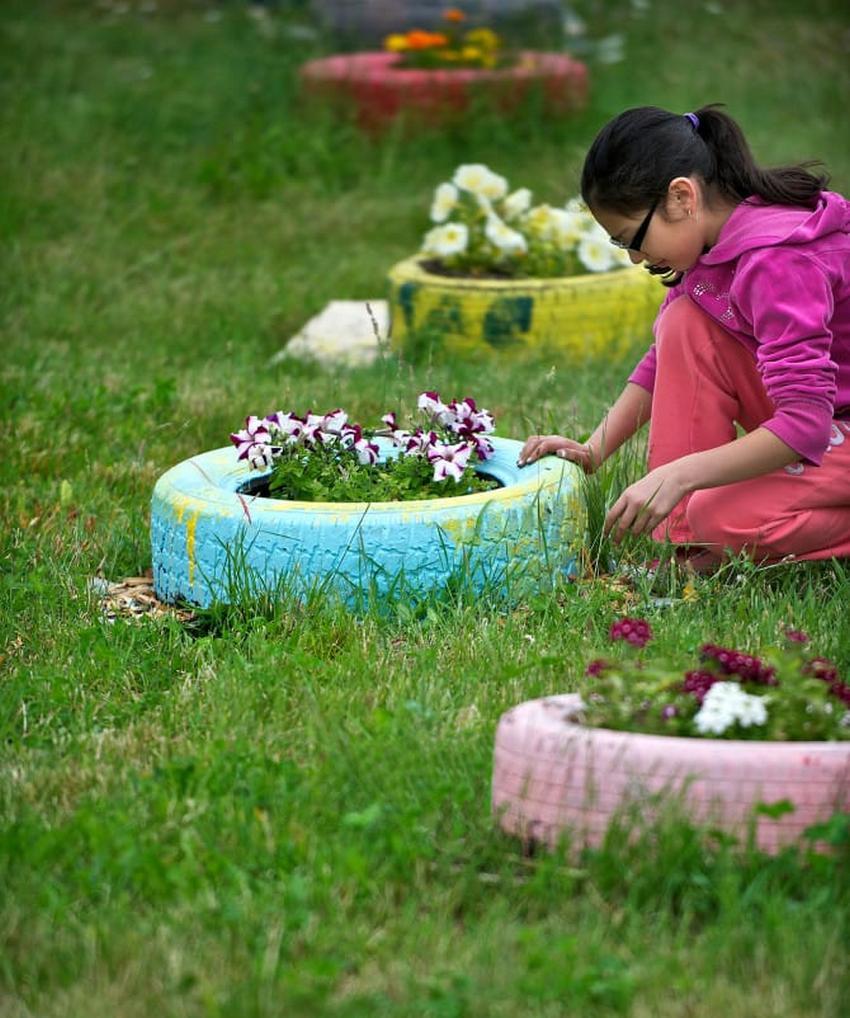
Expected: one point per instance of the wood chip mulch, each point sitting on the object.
(133, 598)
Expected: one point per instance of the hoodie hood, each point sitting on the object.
(756, 223)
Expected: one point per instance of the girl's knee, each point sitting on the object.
(719, 525)
(687, 329)
(679, 311)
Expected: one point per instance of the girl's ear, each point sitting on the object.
(683, 196)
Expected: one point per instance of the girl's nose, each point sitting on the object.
(636, 257)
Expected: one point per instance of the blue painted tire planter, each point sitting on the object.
(203, 521)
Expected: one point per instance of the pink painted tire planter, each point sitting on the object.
(552, 775)
(380, 91)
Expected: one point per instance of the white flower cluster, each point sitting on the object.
(481, 221)
(726, 704)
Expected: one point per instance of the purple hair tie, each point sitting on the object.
(694, 119)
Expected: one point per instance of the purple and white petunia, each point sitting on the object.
(436, 409)
(290, 426)
(311, 434)
(468, 419)
(260, 456)
(449, 460)
(430, 402)
(264, 440)
(483, 448)
(419, 442)
(400, 438)
(334, 421)
(351, 433)
(255, 432)
(367, 452)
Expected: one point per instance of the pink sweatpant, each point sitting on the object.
(706, 381)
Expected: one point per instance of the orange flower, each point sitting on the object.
(417, 39)
(454, 14)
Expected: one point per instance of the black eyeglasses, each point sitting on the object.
(640, 233)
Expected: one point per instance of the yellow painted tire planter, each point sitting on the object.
(574, 316)
(205, 523)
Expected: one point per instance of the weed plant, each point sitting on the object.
(283, 808)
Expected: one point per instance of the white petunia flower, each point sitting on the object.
(595, 254)
(566, 229)
(446, 240)
(576, 205)
(508, 240)
(517, 203)
(539, 219)
(445, 199)
(481, 180)
(484, 204)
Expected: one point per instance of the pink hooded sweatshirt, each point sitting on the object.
(778, 279)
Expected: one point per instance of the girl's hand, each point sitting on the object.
(644, 504)
(548, 445)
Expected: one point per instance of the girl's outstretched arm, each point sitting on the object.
(644, 504)
(630, 412)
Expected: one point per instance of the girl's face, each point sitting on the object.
(674, 232)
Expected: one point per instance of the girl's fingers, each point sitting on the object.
(545, 445)
(624, 518)
(534, 448)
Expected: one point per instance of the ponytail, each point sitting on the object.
(636, 155)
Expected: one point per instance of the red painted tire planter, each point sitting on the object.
(551, 775)
(380, 90)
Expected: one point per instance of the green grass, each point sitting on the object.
(284, 810)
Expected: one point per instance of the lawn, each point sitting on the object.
(284, 810)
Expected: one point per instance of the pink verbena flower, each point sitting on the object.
(698, 683)
(733, 662)
(821, 668)
(596, 667)
(796, 636)
(637, 632)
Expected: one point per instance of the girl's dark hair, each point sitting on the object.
(636, 155)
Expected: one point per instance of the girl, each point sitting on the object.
(755, 332)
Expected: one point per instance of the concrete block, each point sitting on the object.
(341, 333)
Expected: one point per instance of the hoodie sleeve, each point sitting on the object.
(644, 373)
(787, 297)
